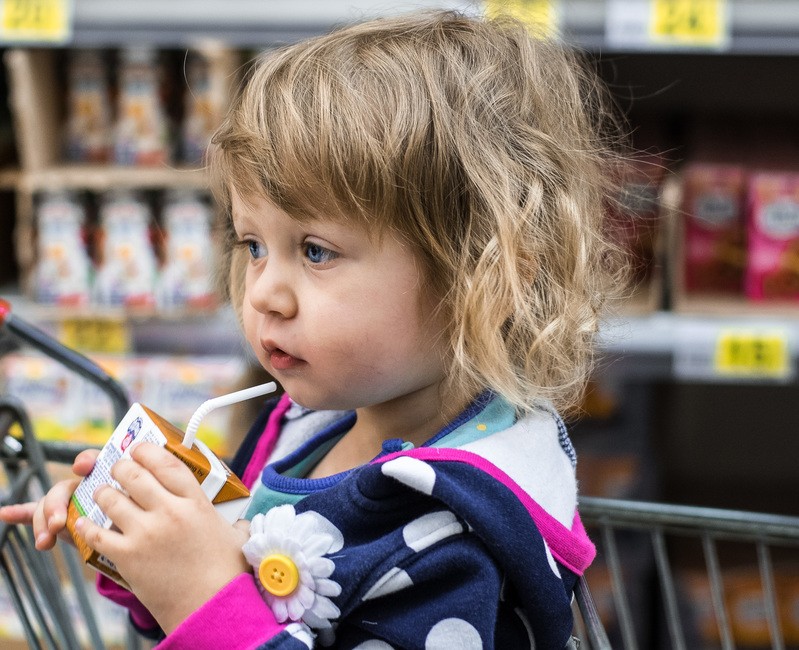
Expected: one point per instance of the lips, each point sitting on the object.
(279, 359)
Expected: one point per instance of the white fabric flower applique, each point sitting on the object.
(286, 551)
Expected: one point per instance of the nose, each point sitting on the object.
(270, 290)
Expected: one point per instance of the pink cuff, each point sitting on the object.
(139, 614)
(237, 618)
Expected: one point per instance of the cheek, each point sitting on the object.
(249, 321)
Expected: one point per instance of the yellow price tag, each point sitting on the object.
(108, 335)
(543, 16)
(36, 20)
(700, 23)
(751, 354)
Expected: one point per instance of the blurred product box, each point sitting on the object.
(789, 604)
(634, 222)
(63, 269)
(186, 279)
(63, 406)
(46, 389)
(747, 607)
(88, 126)
(713, 206)
(613, 476)
(700, 618)
(744, 598)
(142, 130)
(210, 74)
(773, 234)
(127, 264)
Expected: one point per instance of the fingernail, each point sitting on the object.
(41, 538)
(80, 523)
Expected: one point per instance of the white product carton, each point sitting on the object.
(140, 424)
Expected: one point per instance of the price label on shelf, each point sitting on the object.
(700, 23)
(107, 335)
(668, 24)
(543, 16)
(43, 21)
(712, 351)
(745, 353)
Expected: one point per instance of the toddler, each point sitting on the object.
(418, 258)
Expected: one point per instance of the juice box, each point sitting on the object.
(634, 220)
(773, 230)
(715, 231)
(140, 424)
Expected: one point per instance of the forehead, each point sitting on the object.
(251, 207)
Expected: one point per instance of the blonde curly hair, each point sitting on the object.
(486, 148)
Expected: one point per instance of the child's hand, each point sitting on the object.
(48, 516)
(168, 541)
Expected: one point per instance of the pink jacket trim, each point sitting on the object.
(266, 442)
(571, 547)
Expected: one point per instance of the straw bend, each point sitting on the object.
(223, 400)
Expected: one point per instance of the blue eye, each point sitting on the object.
(256, 250)
(317, 254)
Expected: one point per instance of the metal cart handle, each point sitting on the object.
(73, 360)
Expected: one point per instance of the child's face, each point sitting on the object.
(342, 321)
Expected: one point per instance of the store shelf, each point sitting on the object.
(670, 346)
(103, 177)
(214, 332)
(757, 26)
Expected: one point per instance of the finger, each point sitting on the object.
(119, 508)
(84, 461)
(55, 504)
(170, 472)
(138, 482)
(44, 539)
(18, 513)
(103, 540)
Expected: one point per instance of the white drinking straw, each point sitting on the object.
(223, 400)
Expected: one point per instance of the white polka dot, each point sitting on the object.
(394, 580)
(411, 472)
(301, 632)
(453, 633)
(552, 563)
(425, 531)
(527, 626)
(373, 644)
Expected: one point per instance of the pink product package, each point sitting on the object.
(635, 221)
(772, 271)
(714, 214)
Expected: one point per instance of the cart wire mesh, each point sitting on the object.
(32, 579)
(37, 582)
(623, 529)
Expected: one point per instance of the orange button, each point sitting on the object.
(278, 574)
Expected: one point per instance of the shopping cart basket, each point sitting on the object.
(37, 582)
(641, 548)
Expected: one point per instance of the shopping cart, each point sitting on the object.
(643, 600)
(641, 605)
(36, 582)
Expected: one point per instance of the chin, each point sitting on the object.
(317, 402)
